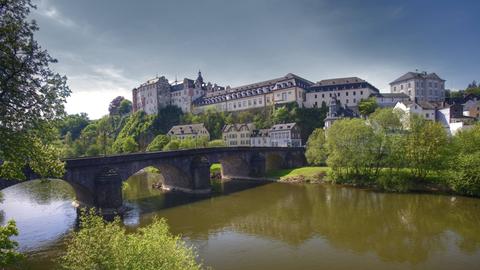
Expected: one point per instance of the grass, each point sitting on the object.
(307, 172)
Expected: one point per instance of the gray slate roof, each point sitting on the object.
(392, 95)
(237, 127)
(417, 75)
(337, 81)
(192, 129)
(280, 127)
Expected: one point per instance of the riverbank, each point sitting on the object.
(316, 175)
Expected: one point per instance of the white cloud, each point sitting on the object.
(93, 90)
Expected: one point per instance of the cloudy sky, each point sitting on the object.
(108, 47)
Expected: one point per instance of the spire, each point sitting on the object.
(199, 78)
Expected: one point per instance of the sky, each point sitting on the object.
(106, 48)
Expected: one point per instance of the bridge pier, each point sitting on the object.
(108, 193)
(257, 166)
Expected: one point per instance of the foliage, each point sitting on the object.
(125, 107)
(351, 145)
(140, 127)
(73, 124)
(172, 145)
(167, 118)
(125, 145)
(367, 106)
(216, 143)
(31, 95)
(158, 143)
(316, 152)
(8, 254)
(106, 245)
(211, 118)
(114, 106)
(425, 146)
(465, 172)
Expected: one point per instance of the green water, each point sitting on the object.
(251, 225)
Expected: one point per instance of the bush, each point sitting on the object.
(172, 145)
(465, 178)
(106, 245)
(216, 143)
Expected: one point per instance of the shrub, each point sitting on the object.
(106, 245)
(465, 178)
(394, 182)
(216, 143)
(8, 255)
(158, 143)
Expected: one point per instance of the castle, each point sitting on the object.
(196, 96)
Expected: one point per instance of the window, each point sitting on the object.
(323, 95)
(347, 100)
(346, 94)
(427, 115)
(401, 86)
(354, 93)
(361, 92)
(409, 85)
(315, 95)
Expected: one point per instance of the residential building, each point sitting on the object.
(387, 100)
(348, 91)
(471, 107)
(260, 137)
(287, 89)
(193, 131)
(237, 134)
(452, 119)
(285, 135)
(420, 86)
(424, 109)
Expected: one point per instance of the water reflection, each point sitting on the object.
(260, 225)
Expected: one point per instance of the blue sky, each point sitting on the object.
(108, 47)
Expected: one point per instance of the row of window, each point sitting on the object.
(338, 94)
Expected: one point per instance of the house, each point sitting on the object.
(193, 131)
(285, 135)
(423, 108)
(452, 119)
(237, 134)
(260, 137)
(471, 108)
(420, 86)
(387, 100)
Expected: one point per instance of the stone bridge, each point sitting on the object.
(97, 181)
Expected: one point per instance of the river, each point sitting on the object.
(256, 225)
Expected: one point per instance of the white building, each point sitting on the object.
(192, 131)
(386, 100)
(348, 91)
(260, 137)
(424, 109)
(420, 86)
(285, 135)
(237, 134)
(287, 89)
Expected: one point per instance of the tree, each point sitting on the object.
(387, 119)
(106, 245)
(352, 148)
(167, 118)
(73, 123)
(367, 106)
(125, 107)
(158, 143)
(114, 106)
(316, 151)
(31, 95)
(8, 254)
(425, 146)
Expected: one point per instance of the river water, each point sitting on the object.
(253, 225)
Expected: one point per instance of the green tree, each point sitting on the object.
(114, 106)
(125, 107)
(158, 143)
(167, 118)
(73, 123)
(31, 95)
(425, 147)
(106, 245)
(351, 145)
(8, 254)
(367, 106)
(316, 153)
